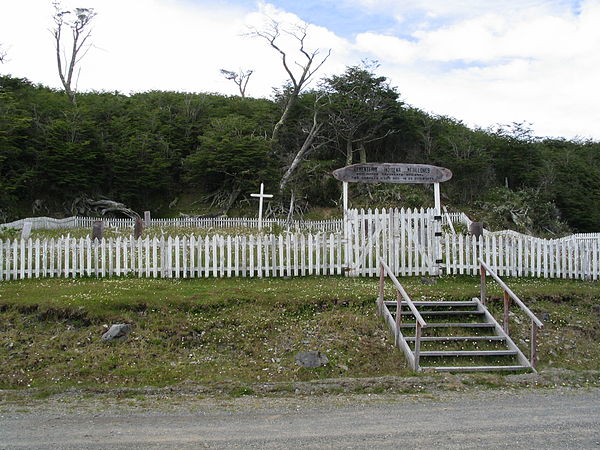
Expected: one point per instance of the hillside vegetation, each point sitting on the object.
(199, 153)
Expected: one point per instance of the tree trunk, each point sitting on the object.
(363, 153)
(286, 113)
(290, 216)
(349, 151)
(306, 147)
(232, 198)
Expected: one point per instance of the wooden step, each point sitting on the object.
(442, 353)
(475, 368)
(442, 313)
(455, 338)
(433, 303)
(450, 325)
(461, 352)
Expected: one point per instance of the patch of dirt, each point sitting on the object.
(425, 384)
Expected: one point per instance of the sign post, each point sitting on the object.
(261, 196)
(436, 199)
(345, 242)
(401, 174)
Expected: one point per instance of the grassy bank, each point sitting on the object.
(214, 330)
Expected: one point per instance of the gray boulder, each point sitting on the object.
(312, 359)
(117, 332)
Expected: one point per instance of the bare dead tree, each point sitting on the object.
(312, 142)
(310, 62)
(2, 55)
(240, 78)
(78, 21)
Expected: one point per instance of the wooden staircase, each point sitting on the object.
(462, 336)
(455, 336)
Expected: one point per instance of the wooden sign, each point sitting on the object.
(392, 173)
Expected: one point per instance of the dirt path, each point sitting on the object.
(559, 418)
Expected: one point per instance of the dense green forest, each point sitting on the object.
(172, 152)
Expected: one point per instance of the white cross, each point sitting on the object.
(260, 203)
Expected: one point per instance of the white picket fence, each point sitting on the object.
(353, 252)
(454, 218)
(49, 223)
(290, 255)
(327, 226)
(410, 241)
(518, 255)
(179, 257)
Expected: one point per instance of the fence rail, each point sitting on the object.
(454, 218)
(329, 226)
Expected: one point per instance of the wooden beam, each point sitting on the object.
(506, 311)
(533, 344)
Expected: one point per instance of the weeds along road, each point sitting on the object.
(561, 418)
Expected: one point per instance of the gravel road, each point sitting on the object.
(558, 418)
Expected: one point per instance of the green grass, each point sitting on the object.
(243, 331)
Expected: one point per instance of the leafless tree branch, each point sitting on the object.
(80, 33)
(309, 145)
(309, 65)
(240, 78)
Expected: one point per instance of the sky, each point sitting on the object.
(484, 62)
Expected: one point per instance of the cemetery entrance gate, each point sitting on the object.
(408, 240)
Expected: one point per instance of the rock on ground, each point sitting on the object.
(117, 332)
(311, 359)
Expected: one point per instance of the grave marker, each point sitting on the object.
(26, 230)
(138, 228)
(260, 197)
(476, 229)
(97, 230)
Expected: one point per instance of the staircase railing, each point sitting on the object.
(508, 294)
(419, 321)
